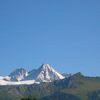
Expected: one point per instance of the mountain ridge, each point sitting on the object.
(75, 87)
(45, 73)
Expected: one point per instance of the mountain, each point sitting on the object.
(21, 76)
(18, 74)
(44, 74)
(45, 83)
(75, 87)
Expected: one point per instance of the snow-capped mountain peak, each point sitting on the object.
(46, 66)
(47, 74)
(18, 74)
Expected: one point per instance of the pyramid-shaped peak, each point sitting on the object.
(44, 66)
(46, 73)
(47, 67)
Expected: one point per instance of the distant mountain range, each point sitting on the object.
(21, 76)
(45, 83)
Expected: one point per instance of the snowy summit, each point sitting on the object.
(45, 73)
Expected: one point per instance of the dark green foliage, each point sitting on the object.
(28, 99)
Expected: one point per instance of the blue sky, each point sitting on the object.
(63, 33)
